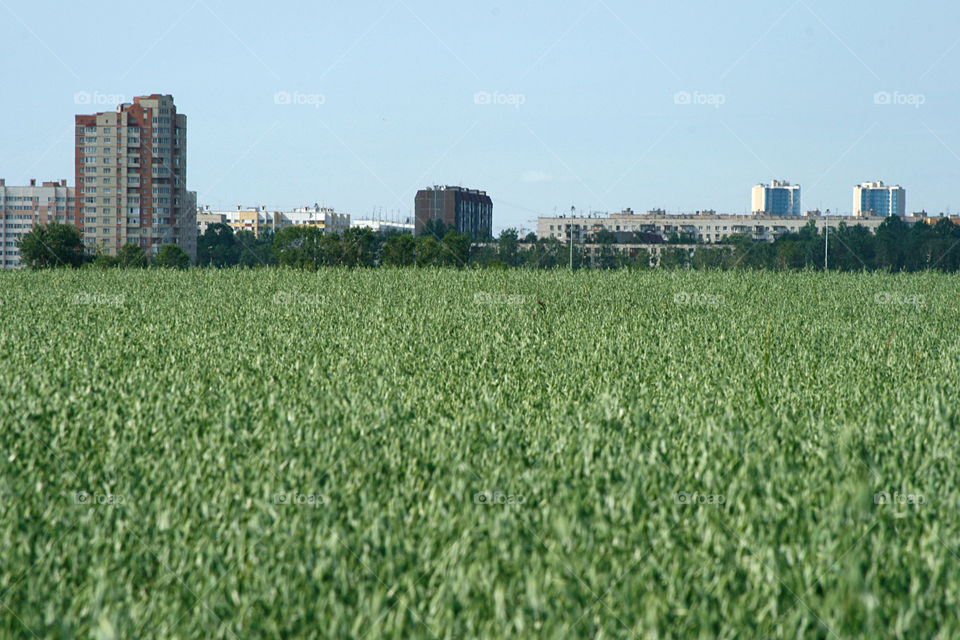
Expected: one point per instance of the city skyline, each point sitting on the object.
(598, 105)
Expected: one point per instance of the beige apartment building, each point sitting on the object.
(259, 220)
(708, 227)
(22, 207)
(131, 177)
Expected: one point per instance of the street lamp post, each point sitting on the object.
(826, 244)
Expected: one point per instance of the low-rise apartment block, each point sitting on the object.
(258, 220)
(701, 227)
(22, 207)
(385, 226)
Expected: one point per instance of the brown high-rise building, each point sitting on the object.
(464, 210)
(131, 172)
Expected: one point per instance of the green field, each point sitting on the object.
(460, 454)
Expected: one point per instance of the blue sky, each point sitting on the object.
(545, 105)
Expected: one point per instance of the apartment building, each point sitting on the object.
(131, 177)
(466, 211)
(323, 218)
(878, 199)
(384, 226)
(22, 207)
(706, 227)
(259, 220)
(780, 198)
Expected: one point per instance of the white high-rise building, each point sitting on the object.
(778, 199)
(878, 199)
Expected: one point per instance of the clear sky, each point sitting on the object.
(598, 104)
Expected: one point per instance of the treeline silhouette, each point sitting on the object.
(896, 246)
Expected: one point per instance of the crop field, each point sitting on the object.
(464, 454)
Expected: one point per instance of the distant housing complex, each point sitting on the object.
(131, 188)
(258, 220)
(775, 207)
(707, 227)
(130, 167)
(384, 226)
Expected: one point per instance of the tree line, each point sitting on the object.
(895, 246)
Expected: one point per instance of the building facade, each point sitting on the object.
(703, 228)
(205, 218)
(259, 220)
(466, 211)
(778, 199)
(22, 207)
(878, 199)
(131, 177)
(323, 218)
(384, 226)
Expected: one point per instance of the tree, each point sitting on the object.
(707, 258)
(254, 251)
(788, 256)
(945, 251)
(360, 247)
(399, 251)
(743, 245)
(217, 247)
(674, 258)
(105, 261)
(436, 228)
(299, 247)
(131, 256)
(605, 236)
(456, 249)
(641, 260)
(545, 253)
(891, 238)
(52, 245)
(173, 257)
(428, 252)
(508, 245)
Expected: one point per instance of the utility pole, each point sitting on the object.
(570, 232)
(826, 244)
